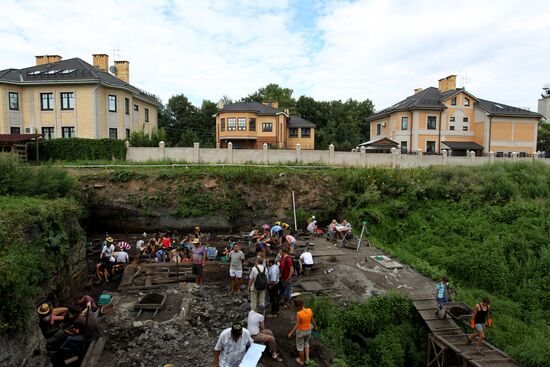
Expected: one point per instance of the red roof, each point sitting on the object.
(18, 138)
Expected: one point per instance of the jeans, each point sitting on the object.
(274, 298)
(75, 342)
(286, 291)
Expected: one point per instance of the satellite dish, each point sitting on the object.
(112, 69)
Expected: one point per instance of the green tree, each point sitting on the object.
(543, 140)
(188, 138)
(273, 92)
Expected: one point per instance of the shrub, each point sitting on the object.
(74, 149)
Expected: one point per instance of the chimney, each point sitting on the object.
(418, 90)
(447, 83)
(123, 70)
(273, 104)
(46, 59)
(101, 62)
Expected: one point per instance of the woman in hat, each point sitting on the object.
(50, 315)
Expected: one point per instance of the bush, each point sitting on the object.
(142, 139)
(74, 149)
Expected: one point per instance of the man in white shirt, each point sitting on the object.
(231, 347)
(273, 287)
(121, 257)
(236, 258)
(306, 260)
(259, 333)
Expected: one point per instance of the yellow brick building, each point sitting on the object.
(71, 98)
(451, 118)
(249, 125)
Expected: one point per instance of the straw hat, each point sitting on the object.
(196, 240)
(110, 239)
(44, 309)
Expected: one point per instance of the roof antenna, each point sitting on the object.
(464, 81)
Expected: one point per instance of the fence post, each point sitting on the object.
(363, 153)
(418, 157)
(298, 153)
(162, 151)
(514, 156)
(472, 156)
(491, 157)
(394, 155)
(445, 156)
(331, 154)
(265, 149)
(196, 153)
(127, 143)
(230, 152)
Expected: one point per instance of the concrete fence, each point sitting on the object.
(361, 158)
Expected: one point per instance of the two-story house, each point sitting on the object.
(451, 118)
(251, 124)
(71, 98)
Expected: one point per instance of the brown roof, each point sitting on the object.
(17, 138)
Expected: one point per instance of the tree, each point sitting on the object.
(188, 138)
(273, 92)
(543, 138)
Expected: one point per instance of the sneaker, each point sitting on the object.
(276, 357)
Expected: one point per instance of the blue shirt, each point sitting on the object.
(440, 287)
(276, 229)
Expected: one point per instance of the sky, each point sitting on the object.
(327, 49)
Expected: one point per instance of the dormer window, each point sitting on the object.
(453, 101)
(466, 101)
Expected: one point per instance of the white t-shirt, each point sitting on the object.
(311, 226)
(236, 260)
(108, 250)
(274, 273)
(253, 323)
(254, 273)
(232, 353)
(140, 245)
(122, 257)
(307, 258)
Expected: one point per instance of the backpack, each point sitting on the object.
(260, 283)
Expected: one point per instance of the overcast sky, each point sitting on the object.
(327, 49)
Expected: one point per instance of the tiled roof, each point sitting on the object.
(431, 99)
(73, 70)
(296, 121)
(256, 107)
(468, 145)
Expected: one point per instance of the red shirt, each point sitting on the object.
(285, 265)
(165, 242)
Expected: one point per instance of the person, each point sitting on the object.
(121, 257)
(197, 232)
(166, 241)
(254, 235)
(291, 240)
(287, 270)
(312, 226)
(343, 229)
(442, 294)
(160, 256)
(306, 260)
(257, 290)
(199, 259)
(481, 316)
(50, 315)
(176, 255)
(258, 332)
(124, 245)
(302, 327)
(236, 258)
(231, 347)
(140, 246)
(274, 276)
(83, 331)
(103, 269)
(152, 247)
(86, 301)
(276, 233)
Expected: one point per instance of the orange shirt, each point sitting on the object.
(304, 319)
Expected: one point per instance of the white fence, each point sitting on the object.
(321, 157)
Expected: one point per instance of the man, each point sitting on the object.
(277, 233)
(481, 316)
(306, 260)
(105, 257)
(231, 347)
(236, 258)
(287, 270)
(274, 275)
(442, 295)
(84, 329)
(199, 259)
(140, 246)
(257, 283)
(121, 257)
(259, 333)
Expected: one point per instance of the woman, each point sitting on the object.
(302, 327)
(481, 316)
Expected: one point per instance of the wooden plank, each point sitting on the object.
(95, 350)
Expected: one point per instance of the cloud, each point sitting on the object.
(328, 49)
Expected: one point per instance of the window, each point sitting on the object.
(136, 107)
(231, 124)
(451, 127)
(68, 132)
(112, 103)
(452, 119)
(404, 147)
(432, 122)
(466, 101)
(14, 100)
(252, 124)
(146, 115)
(113, 133)
(464, 128)
(430, 147)
(378, 129)
(465, 119)
(127, 133)
(306, 132)
(404, 123)
(67, 100)
(15, 130)
(127, 106)
(48, 133)
(293, 132)
(222, 123)
(242, 123)
(46, 101)
(267, 127)
(453, 101)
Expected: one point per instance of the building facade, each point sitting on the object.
(248, 125)
(544, 103)
(71, 98)
(451, 118)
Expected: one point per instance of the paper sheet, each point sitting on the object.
(253, 355)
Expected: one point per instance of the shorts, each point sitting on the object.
(302, 339)
(479, 327)
(197, 269)
(235, 273)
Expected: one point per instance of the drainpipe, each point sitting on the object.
(96, 108)
(490, 126)
(411, 140)
(439, 144)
